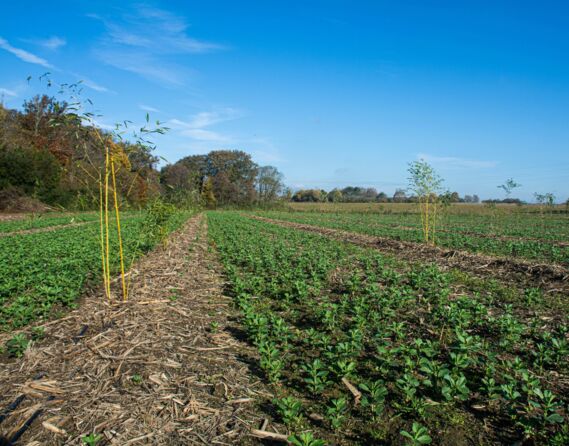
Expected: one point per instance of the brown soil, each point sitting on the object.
(552, 278)
(163, 368)
(11, 200)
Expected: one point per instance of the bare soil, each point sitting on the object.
(552, 278)
(165, 368)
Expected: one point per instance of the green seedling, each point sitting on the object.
(17, 345)
(290, 409)
(418, 436)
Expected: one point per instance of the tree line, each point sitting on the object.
(49, 154)
(354, 194)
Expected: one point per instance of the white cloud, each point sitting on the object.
(23, 54)
(145, 65)
(94, 86)
(148, 108)
(196, 126)
(206, 135)
(141, 39)
(457, 163)
(206, 119)
(102, 125)
(53, 43)
(6, 92)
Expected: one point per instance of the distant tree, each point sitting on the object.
(426, 184)
(509, 186)
(382, 197)
(307, 195)
(475, 199)
(335, 196)
(547, 199)
(269, 183)
(399, 196)
(454, 197)
(468, 199)
(234, 175)
(287, 194)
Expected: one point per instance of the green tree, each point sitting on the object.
(426, 184)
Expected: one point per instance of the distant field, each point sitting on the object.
(509, 231)
(455, 208)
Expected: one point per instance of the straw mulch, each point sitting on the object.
(163, 368)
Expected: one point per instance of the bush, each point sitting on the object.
(34, 172)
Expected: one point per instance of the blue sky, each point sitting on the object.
(333, 93)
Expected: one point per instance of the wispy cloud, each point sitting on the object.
(143, 39)
(52, 43)
(24, 55)
(7, 92)
(197, 126)
(93, 85)
(148, 108)
(102, 125)
(457, 163)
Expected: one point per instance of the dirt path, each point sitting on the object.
(163, 368)
(548, 277)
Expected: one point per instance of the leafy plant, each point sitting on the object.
(336, 412)
(17, 345)
(290, 409)
(419, 435)
(317, 378)
(305, 439)
(91, 439)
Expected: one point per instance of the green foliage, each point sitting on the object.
(419, 435)
(290, 409)
(336, 412)
(91, 439)
(518, 237)
(38, 333)
(419, 343)
(50, 269)
(317, 376)
(158, 215)
(305, 439)
(17, 345)
(34, 172)
(137, 379)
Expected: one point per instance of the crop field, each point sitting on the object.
(364, 348)
(40, 221)
(47, 271)
(326, 341)
(535, 236)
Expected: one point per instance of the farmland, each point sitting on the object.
(500, 232)
(47, 271)
(428, 354)
(351, 343)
